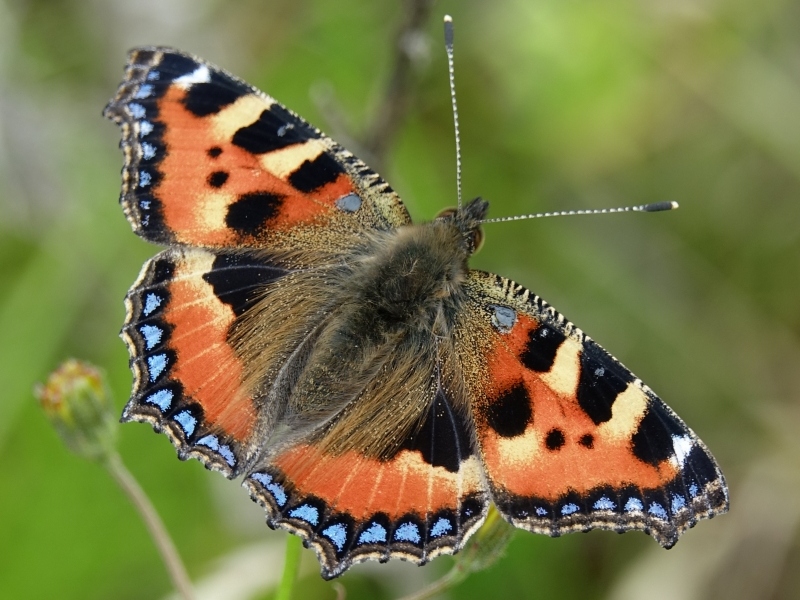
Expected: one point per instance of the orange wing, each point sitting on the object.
(212, 161)
(570, 439)
(421, 498)
(245, 192)
(187, 377)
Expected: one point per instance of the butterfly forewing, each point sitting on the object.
(212, 161)
(569, 438)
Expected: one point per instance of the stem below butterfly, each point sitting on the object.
(453, 577)
(291, 565)
(482, 550)
(161, 538)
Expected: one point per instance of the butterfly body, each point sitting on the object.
(374, 393)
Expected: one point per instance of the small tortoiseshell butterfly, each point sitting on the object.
(374, 392)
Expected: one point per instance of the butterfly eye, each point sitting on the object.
(474, 237)
(477, 239)
(447, 213)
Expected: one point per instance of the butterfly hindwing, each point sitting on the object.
(212, 161)
(415, 498)
(187, 377)
(569, 438)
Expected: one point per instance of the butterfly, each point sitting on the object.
(373, 392)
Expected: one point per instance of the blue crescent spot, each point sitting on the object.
(263, 478)
(153, 75)
(441, 527)
(305, 512)
(569, 509)
(148, 151)
(542, 512)
(657, 510)
(278, 493)
(276, 489)
(604, 504)
(143, 92)
(156, 365)
(152, 335)
(633, 505)
(407, 532)
(375, 534)
(162, 399)
(337, 533)
(137, 110)
(145, 128)
(209, 441)
(144, 178)
(693, 490)
(186, 421)
(678, 502)
(226, 453)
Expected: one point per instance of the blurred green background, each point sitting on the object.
(563, 104)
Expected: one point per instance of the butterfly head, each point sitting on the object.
(468, 219)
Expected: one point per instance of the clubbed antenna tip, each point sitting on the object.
(654, 207)
(659, 206)
(448, 31)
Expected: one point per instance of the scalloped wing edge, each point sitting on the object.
(323, 529)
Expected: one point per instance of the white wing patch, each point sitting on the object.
(682, 444)
(200, 75)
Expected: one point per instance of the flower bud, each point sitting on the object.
(77, 401)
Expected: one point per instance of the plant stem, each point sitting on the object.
(291, 565)
(452, 578)
(129, 485)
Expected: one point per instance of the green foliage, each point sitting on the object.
(563, 104)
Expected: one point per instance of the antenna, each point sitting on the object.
(448, 46)
(654, 207)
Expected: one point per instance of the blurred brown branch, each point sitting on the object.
(410, 49)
